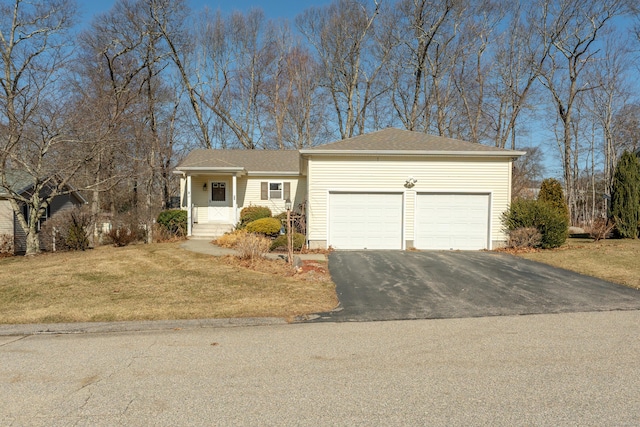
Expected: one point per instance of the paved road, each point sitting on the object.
(560, 370)
(387, 285)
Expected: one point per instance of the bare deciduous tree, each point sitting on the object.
(342, 35)
(572, 28)
(34, 51)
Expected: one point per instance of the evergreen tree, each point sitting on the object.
(551, 193)
(625, 196)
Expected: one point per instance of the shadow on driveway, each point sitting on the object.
(393, 285)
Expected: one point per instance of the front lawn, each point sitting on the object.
(613, 260)
(152, 282)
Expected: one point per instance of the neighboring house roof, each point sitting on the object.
(18, 181)
(244, 161)
(404, 142)
(21, 181)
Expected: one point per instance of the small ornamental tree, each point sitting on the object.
(625, 196)
(552, 194)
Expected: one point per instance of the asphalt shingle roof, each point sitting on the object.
(392, 139)
(386, 140)
(249, 160)
(18, 181)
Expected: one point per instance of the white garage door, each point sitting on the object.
(365, 220)
(452, 221)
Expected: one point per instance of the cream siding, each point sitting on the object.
(6, 218)
(436, 174)
(251, 195)
(248, 192)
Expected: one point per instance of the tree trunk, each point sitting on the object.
(33, 242)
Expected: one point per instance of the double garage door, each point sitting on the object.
(375, 221)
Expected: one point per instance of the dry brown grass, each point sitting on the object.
(151, 282)
(614, 260)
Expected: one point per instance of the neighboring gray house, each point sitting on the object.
(22, 183)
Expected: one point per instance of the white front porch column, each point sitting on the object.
(234, 199)
(189, 207)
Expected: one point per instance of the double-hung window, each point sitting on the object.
(275, 191)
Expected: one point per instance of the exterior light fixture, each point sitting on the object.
(204, 187)
(410, 182)
(287, 205)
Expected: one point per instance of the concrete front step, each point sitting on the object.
(210, 230)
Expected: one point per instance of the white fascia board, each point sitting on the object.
(272, 173)
(514, 154)
(206, 169)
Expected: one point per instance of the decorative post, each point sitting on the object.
(287, 206)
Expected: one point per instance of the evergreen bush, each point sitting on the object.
(253, 213)
(266, 226)
(551, 192)
(552, 224)
(174, 220)
(281, 242)
(625, 196)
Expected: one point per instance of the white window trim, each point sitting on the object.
(281, 190)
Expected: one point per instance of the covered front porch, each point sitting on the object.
(211, 201)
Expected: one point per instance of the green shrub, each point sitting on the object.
(253, 213)
(625, 196)
(281, 242)
(174, 220)
(77, 238)
(266, 226)
(551, 193)
(552, 224)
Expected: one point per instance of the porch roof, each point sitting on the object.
(241, 161)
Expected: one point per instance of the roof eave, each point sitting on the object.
(274, 173)
(430, 153)
(181, 169)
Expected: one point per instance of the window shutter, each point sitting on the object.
(264, 190)
(287, 191)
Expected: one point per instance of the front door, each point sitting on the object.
(219, 201)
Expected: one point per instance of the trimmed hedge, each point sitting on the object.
(551, 222)
(281, 242)
(266, 226)
(253, 213)
(174, 220)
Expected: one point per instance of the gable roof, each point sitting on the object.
(392, 141)
(243, 161)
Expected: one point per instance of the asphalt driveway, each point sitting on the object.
(392, 285)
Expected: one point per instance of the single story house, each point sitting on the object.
(390, 189)
(22, 183)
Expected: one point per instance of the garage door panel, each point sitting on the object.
(365, 220)
(452, 221)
